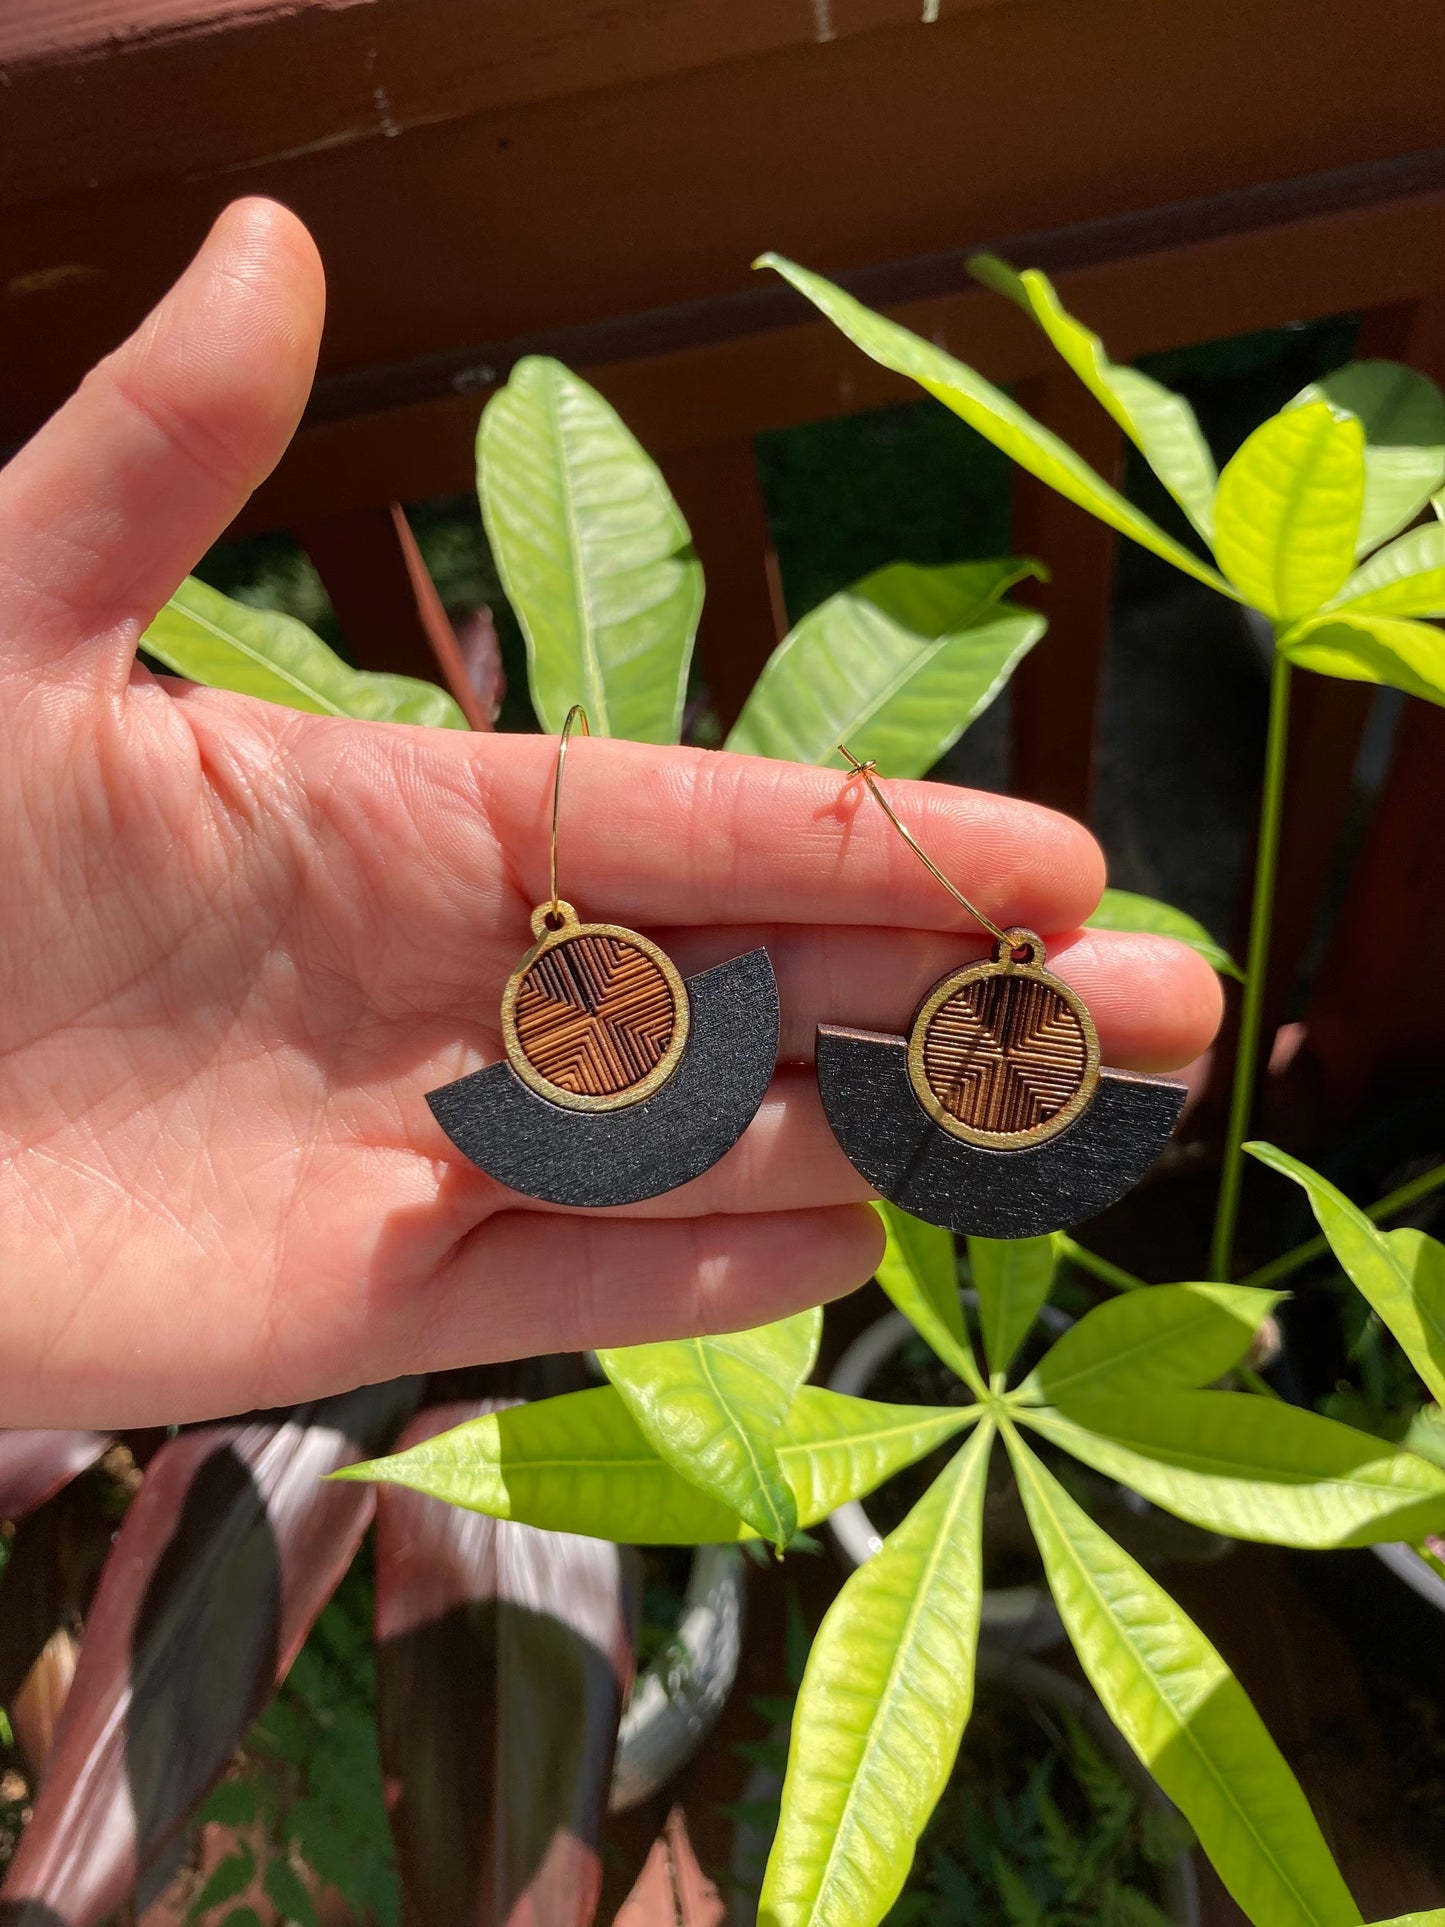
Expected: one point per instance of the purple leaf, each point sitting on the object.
(55, 1560)
(226, 1556)
(482, 656)
(35, 1464)
(505, 1656)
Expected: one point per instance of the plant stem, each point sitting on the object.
(1090, 1261)
(1295, 1260)
(1251, 1380)
(1246, 1057)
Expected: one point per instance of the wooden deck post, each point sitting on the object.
(718, 491)
(1057, 687)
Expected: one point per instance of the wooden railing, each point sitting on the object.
(589, 178)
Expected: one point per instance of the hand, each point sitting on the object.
(242, 943)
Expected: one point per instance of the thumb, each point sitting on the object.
(127, 485)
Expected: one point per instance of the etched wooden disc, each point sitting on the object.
(1002, 1053)
(595, 1017)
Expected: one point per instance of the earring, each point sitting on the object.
(622, 1079)
(993, 1115)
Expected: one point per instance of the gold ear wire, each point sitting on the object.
(868, 773)
(576, 714)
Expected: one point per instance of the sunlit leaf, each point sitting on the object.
(1288, 509)
(1407, 578)
(1401, 1273)
(1169, 1335)
(919, 1272)
(835, 1448)
(1161, 424)
(1252, 1467)
(1434, 1918)
(1403, 417)
(986, 408)
(207, 637)
(580, 1463)
(1185, 1715)
(711, 1408)
(1012, 1278)
(1124, 910)
(884, 1701)
(897, 667)
(1384, 649)
(593, 553)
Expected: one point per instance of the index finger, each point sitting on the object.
(664, 835)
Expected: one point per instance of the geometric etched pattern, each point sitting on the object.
(594, 1015)
(1004, 1054)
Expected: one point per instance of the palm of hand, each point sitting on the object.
(243, 943)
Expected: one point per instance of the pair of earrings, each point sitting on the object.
(623, 1080)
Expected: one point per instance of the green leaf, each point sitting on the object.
(227, 1878)
(1434, 1918)
(593, 553)
(288, 1895)
(1405, 579)
(919, 1272)
(1167, 1335)
(207, 637)
(1185, 1715)
(991, 412)
(1012, 1277)
(1288, 510)
(1124, 910)
(711, 1407)
(834, 1448)
(1403, 417)
(581, 1464)
(1384, 649)
(234, 1803)
(1401, 1273)
(1252, 1467)
(884, 1701)
(1160, 424)
(897, 667)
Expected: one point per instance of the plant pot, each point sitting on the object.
(678, 1695)
(1014, 1619)
(1037, 1686)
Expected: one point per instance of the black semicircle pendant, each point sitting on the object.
(571, 1132)
(994, 1117)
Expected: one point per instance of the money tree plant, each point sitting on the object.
(721, 1438)
(1303, 524)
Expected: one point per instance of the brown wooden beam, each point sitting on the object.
(1056, 689)
(641, 189)
(718, 492)
(247, 78)
(1374, 1010)
(732, 389)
